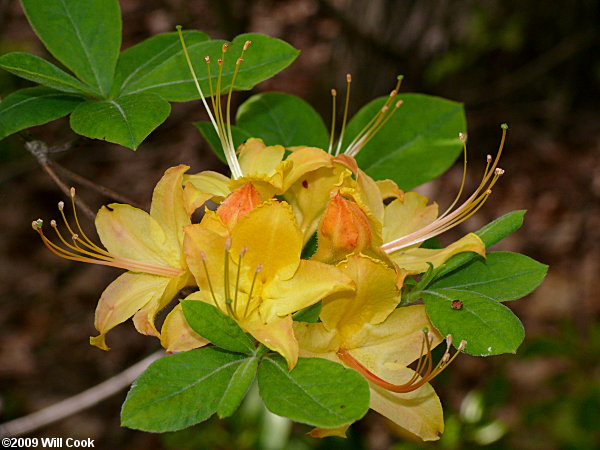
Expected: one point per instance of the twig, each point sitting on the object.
(40, 150)
(78, 402)
(97, 187)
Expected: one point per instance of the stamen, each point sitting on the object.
(348, 84)
(256, 272)
(332, 135)
(212, 291)
(469, 207)
(82, 249)
(424, 372)
(237, 277)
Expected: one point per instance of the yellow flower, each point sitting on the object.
(148, 246)
(364, 330)
(254, 274)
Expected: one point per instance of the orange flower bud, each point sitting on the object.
(344, 229)
(238, 204)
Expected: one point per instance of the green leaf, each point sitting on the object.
(34, 106)
(40, 71)
(208, 132)
(418, 143)
(317, 391)
(215, 326)
(489, 327)
(180, 390)
(238, 387)
(141, 59)
(172, 79)
(83, 35)
(309, 314)
(282, 119)
(490, 234)
(501, 276)
(125, 120)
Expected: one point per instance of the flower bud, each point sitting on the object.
(344, 229)
(238, 204)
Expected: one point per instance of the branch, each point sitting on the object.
(78, 402)
(40, 150)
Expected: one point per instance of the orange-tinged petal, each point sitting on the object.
(344, 229)
(128, 232)
(177, 336)
(238, 204)
(257, 158)
(375, 298)
(272, 240)
(125, 296)
(312, 282)
(404, 216)
(327, 432)
(278, 336)
(168, 207)
(414, 260)
(398, 340)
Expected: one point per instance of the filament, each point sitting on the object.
(346, 106)
(423, 373)
(332, 135)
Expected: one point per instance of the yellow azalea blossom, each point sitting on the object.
(364, 330)
(149, 246)
(254, 274)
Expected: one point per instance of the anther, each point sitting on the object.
(449, 340)
(53, 223)
(446, 357)
(228, 244)
(207, 59)
(489, 158)
(399, 103)
(219, 61)
(239, 61)
(333, 92)
(72, 192)
(462, 345)
(37, 224)
(75, 237)
(243, 251)
(393, 93)
(488, 192)
(203, 255)
(259, 268)
(225, 47)
(499, 171)
(247, 44)
(61, 205)
(462, 137)
(504, 126)
(385, 109)
(348, 78)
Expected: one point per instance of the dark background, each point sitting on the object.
(529, 63)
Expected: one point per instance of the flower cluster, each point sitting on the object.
(253, 257)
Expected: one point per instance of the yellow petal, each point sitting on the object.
(375, 298)
(327, 432)
(304, 160)
(317, 341)
(177, 336)
(414, 260)
(271, 238)
(370, 194)
(257, 158)
(143, 320)
(209, 181)
(420, 411)
(168, 207)
(312, 282)
(278, 336)
(123, 298)
(309, 196)
(128, 232)
(200, 240)
(389, 190)
(402, 217)
(398, 340)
